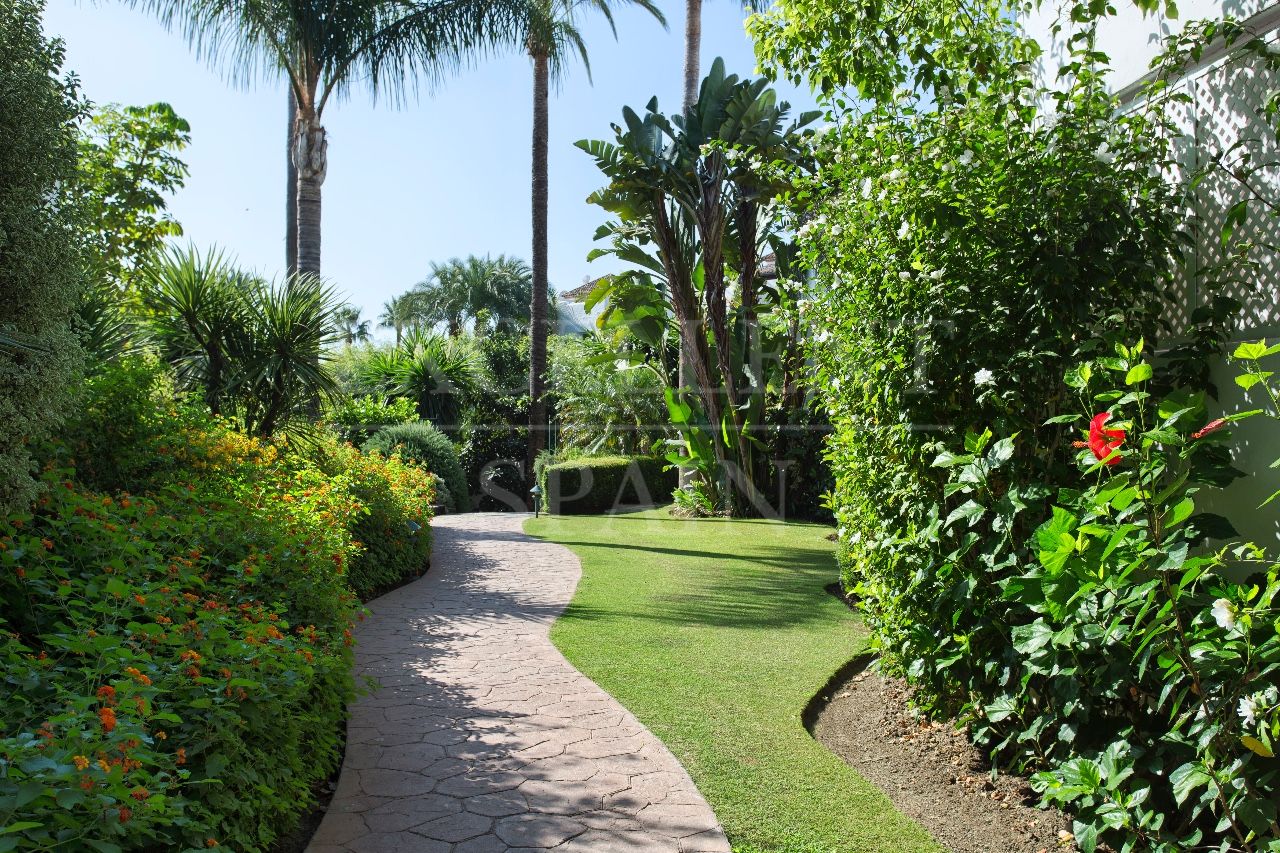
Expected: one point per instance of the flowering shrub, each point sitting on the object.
(423, 444)
(393, 528)
(175, 625)
(165, 654)
(1109, 650)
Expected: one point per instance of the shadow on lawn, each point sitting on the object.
(771, 587)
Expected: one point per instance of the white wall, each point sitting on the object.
(1131, 39)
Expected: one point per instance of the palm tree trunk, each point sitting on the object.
(310, 156)
(538, 302)
(291, 193)
(692, 71)
(692, 50)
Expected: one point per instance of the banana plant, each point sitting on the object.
(692, 197)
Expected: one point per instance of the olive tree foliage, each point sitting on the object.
(40, 256)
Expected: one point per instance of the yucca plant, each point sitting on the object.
(254, 350)
(437, 373)
(283, 353)
(197, 314)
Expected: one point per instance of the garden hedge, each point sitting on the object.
(602, 483)
(41, 279)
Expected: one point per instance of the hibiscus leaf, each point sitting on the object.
(969, 510)
(1138, 373)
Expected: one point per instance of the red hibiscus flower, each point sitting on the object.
(1212, 426)
(1103, 441)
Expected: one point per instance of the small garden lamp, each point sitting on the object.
(537, 499)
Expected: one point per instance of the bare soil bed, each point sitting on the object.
(930, 771)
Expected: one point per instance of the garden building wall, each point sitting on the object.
(1226, 91)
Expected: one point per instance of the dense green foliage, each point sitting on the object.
(427, 446)
(983, 250)
(392, 530)
(593, 484)
(357, 418)
(176, 622)
(495, 424)
(694, 199)
(715, 633)
(129, 163)
(40, 258)
(603, 403)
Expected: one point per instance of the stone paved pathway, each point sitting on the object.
(481, 737)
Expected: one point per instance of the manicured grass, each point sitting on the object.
(715, 633)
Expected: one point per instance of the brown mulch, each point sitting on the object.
(931, 772)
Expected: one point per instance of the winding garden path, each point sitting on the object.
(481, 737)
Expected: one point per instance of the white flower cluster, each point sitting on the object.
(984, 377)
(1252, 707)
(1224, 613)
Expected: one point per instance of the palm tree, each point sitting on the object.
(351, 327)
(254, 349)
(323, 48)
(551, 36)
(693, 45)
(400, 313)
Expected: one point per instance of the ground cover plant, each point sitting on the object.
(716, 633)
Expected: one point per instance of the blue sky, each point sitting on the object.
(447, 175)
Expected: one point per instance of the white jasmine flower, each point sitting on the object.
(984, 377)
(1248, 710)
(904, 275)
(1104, 153)
(824, 336)
(836, 230)
(904, 230)
(937, 275)
(866, 187)
(894, 175)
(966, 158)
(1224, 613)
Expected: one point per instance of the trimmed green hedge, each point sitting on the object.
(599, 484)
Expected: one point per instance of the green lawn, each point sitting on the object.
(715, 633)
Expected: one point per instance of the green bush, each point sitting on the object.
(393, 531)
(495, 426)
(355, 419)
(422, 443)
(1133, 673)
(40, 260)
(175, 623)
(164, 654)
(593, 484)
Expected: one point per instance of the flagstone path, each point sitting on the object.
(481, 737)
